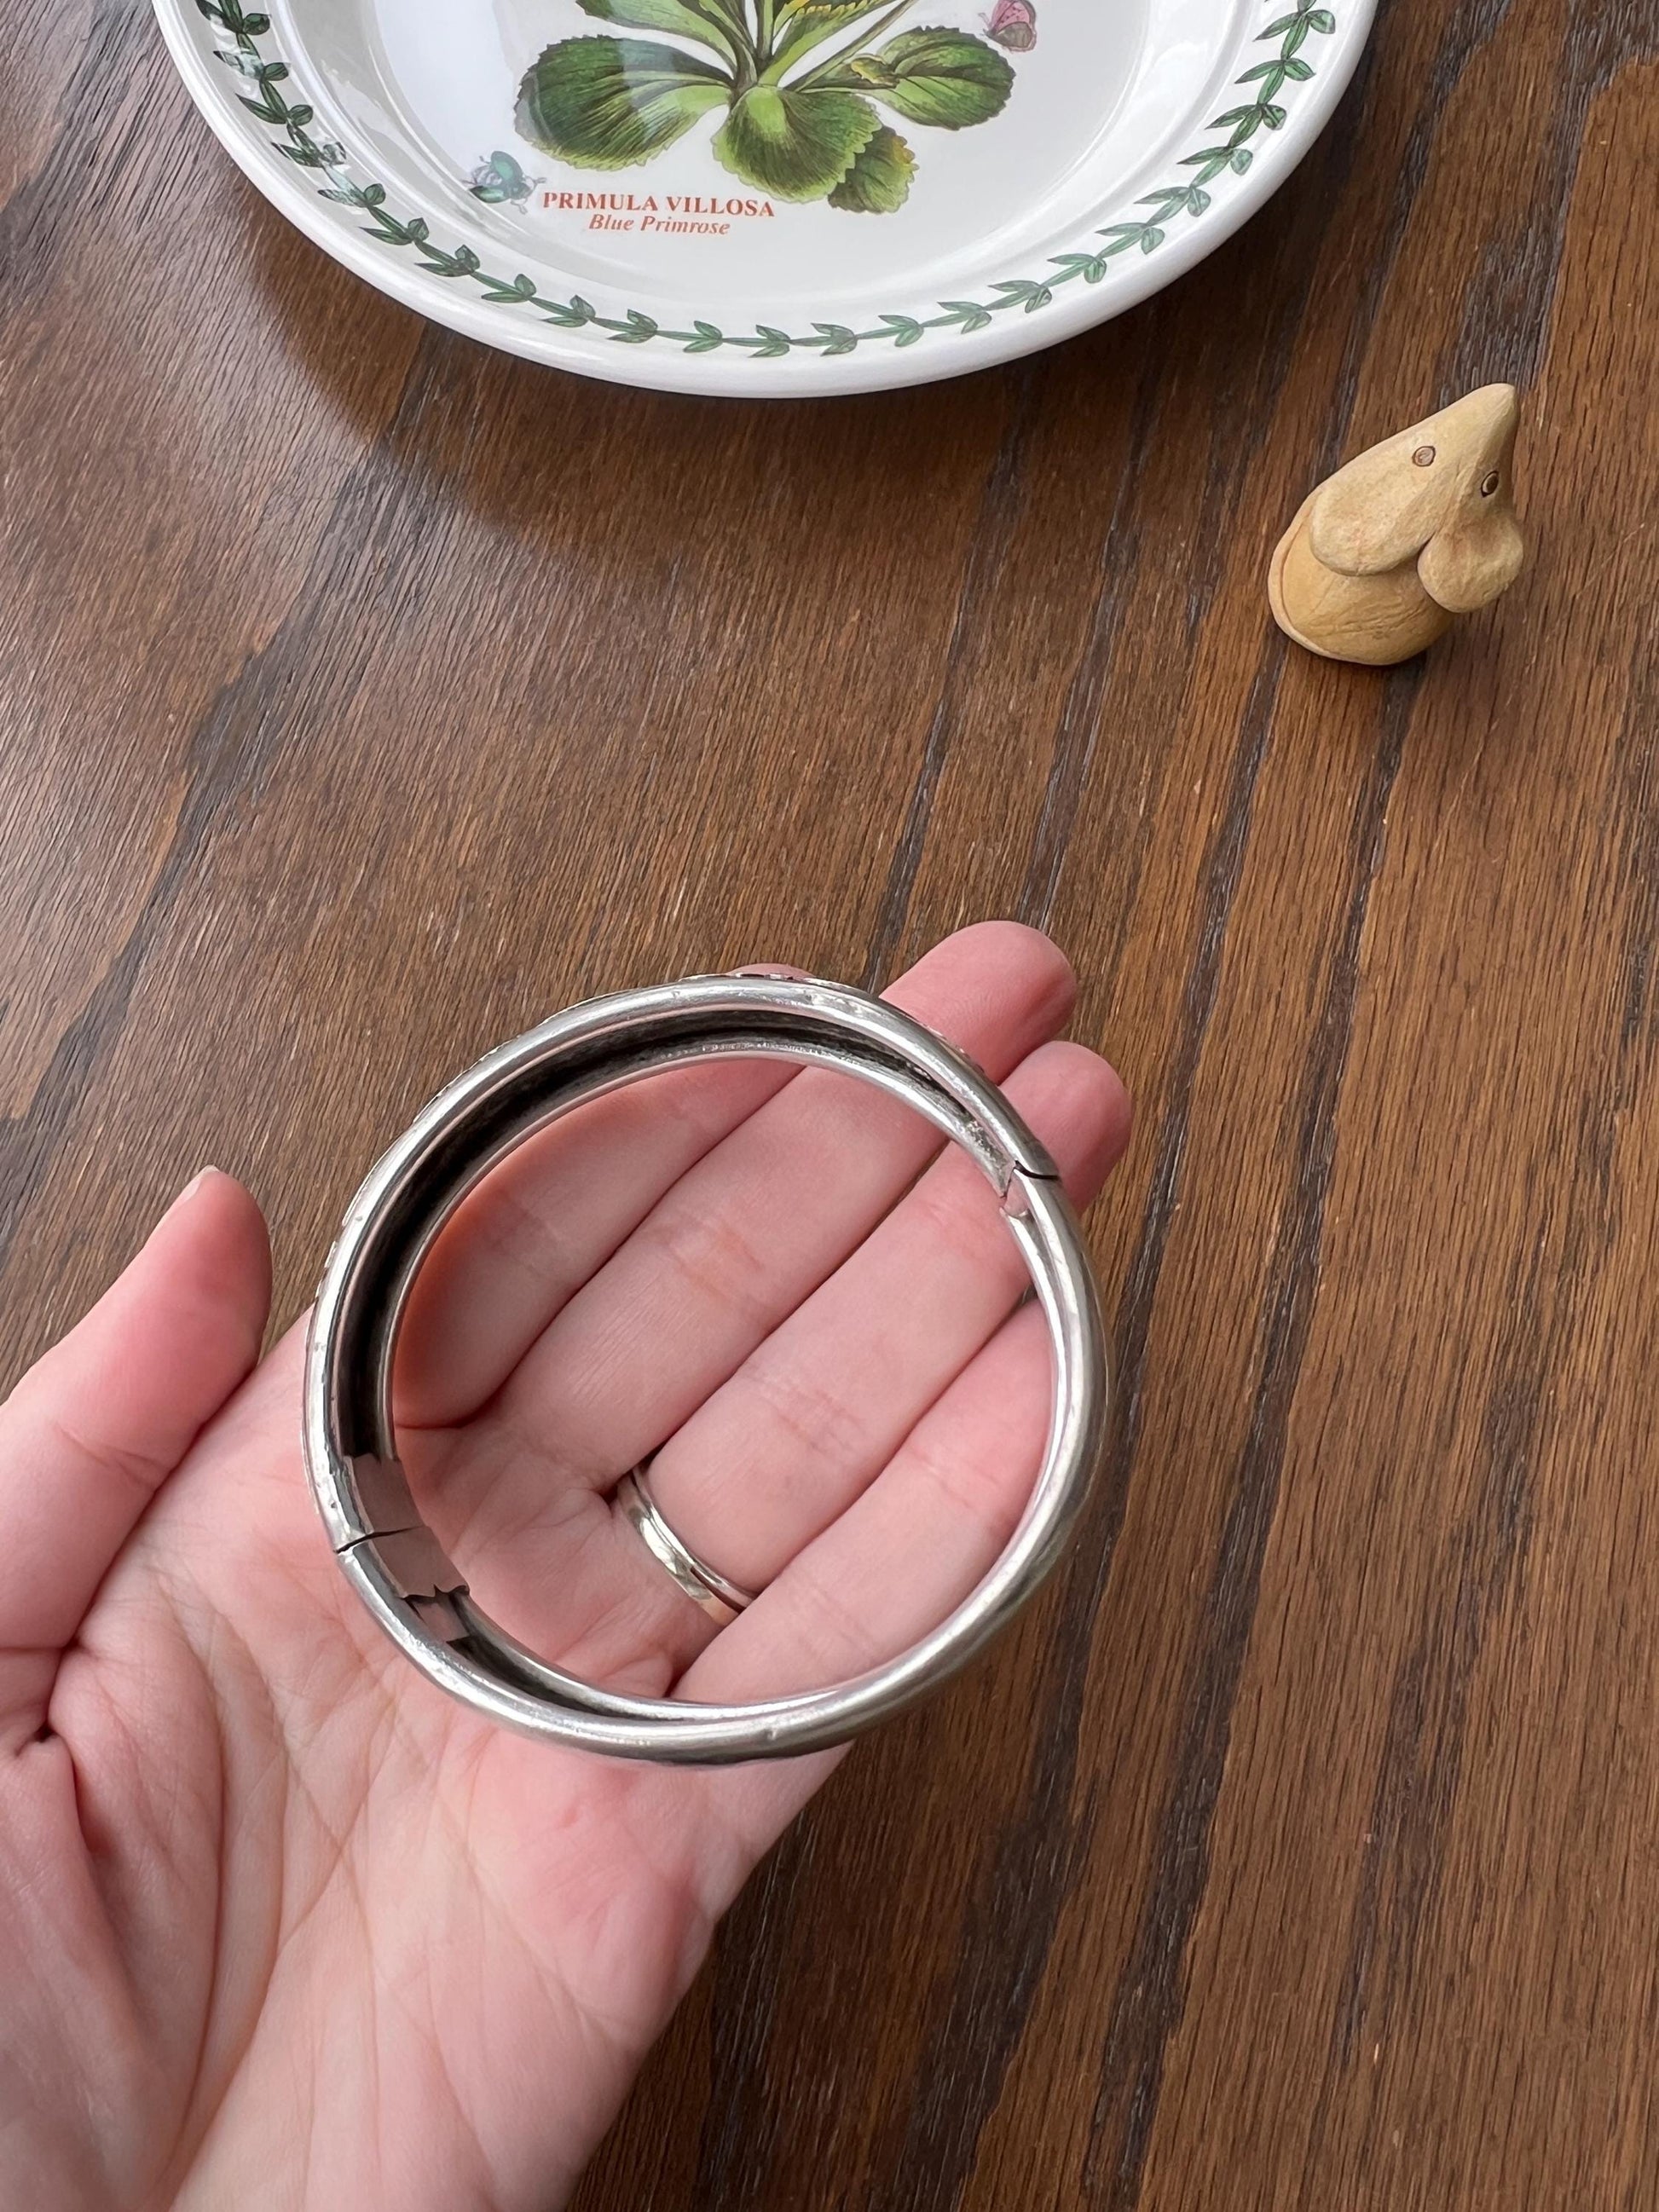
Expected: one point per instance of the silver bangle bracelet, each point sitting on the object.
(393, 1561)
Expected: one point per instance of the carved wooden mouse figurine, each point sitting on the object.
(1383, 554)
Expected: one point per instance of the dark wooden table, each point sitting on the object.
(368, 694)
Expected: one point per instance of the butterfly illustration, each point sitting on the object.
(501, 178)
(1012, 24)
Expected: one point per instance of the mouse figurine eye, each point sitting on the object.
(1423, 458)
(1489, 484)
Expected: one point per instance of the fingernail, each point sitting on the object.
(190, 1189)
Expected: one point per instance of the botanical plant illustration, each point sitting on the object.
(801, 124)
(240, 43)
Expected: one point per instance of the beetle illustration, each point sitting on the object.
(501, 179)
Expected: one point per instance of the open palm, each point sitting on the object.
(281, 1925)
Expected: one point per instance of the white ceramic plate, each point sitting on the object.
(775, 196)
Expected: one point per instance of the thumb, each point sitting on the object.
(93, 1430)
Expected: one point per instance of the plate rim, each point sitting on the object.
(752, 365)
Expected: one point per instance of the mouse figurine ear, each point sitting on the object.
(1408, 534)
(1384, 506)
(1466, 565)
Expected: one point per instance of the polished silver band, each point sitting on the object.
(722, 1601)
(399, 1567)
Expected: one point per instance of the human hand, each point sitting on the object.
(280, 1924)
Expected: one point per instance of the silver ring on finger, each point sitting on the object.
(721, 1599)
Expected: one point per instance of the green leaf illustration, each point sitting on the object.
(796, 144)
(879, 178)
(805, 24)
(946, 78)
(609, 103)
(651, 16)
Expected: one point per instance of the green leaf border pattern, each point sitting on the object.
(1228, 150)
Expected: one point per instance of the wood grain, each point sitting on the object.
(367, 694)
